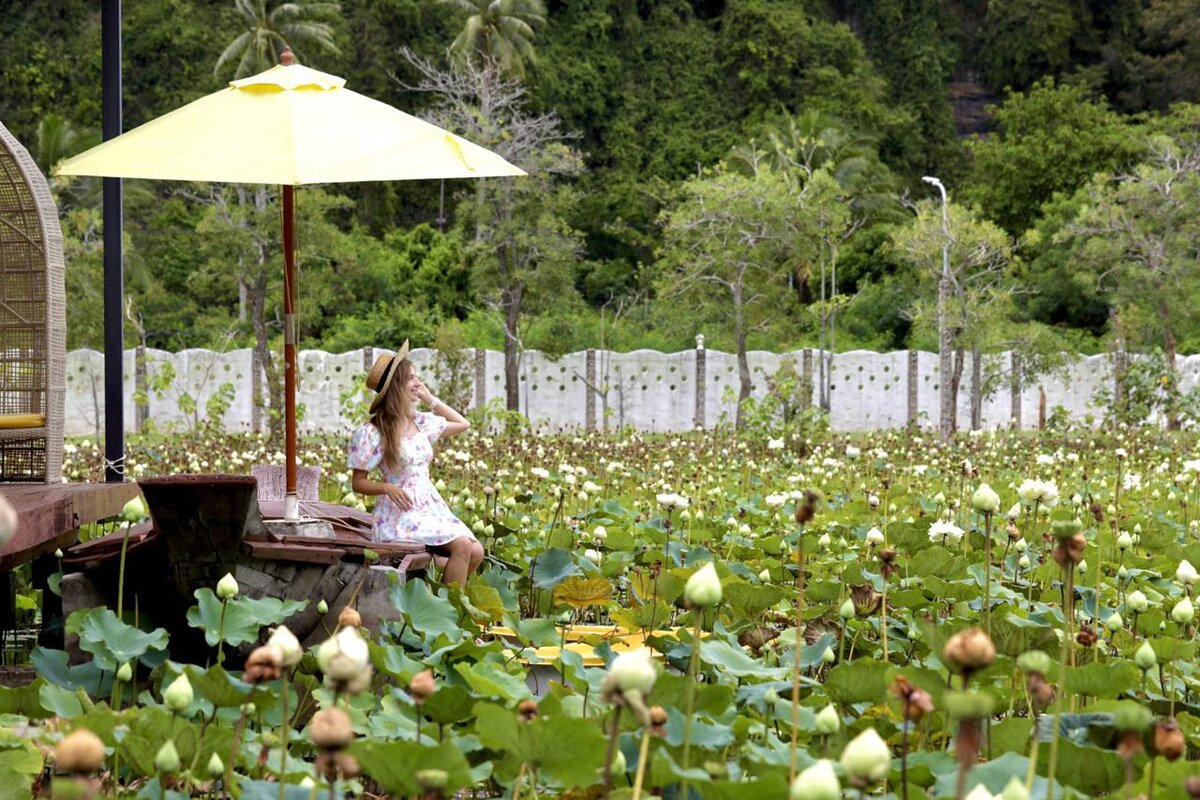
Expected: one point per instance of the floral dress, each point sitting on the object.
(430, 521)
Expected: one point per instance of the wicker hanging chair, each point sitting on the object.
(32, 321)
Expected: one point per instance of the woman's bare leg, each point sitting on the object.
(476, 558)
(457, 568)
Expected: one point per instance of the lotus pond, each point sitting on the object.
(1005, 616)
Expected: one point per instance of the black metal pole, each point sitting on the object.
(114, 272)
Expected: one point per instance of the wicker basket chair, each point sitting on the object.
(33, 326)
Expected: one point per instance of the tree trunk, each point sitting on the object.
(976, 389)
(960, 361)
(946, 390)
(510, 303)
(1171, 347)
(257, 301)
(743, 363)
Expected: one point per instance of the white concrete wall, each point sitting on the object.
(644, 389)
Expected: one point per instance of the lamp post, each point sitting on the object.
(945, 344)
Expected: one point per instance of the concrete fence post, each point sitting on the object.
(914, 387)
(480, 377)
(701, 382)
(589, 384)
(1015, 391)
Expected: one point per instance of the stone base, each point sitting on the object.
(305, 526)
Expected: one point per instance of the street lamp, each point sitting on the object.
(947, 412)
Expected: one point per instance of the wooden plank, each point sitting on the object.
(49, 515)
(275, 551)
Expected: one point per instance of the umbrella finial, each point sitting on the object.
(287, 57)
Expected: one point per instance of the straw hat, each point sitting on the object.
(382, 372)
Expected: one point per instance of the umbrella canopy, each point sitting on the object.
(291, 126)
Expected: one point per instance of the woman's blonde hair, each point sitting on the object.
(393, 412)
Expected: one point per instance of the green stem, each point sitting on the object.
(121, 575)
(643, 752)
(690, 697)
(987, 573)
(221, 634)
(284, 724)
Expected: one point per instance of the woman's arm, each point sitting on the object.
(360, 483)
(455, 422)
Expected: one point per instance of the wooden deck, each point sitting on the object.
(49, 515)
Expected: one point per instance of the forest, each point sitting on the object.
(746, 169)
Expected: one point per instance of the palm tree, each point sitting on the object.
(303, 25)
(500, 31)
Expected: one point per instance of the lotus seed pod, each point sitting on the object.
(179, 695)
(969, 650)
(349, 618)
(818, 782)
(227, 587)
(80, 752)
(330, 729)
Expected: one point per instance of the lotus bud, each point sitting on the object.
(216, 767)
(703, 588)
(1137, 601)
(58, 553)
(227, 587)
(867, 758)
(874, 537)
(1183, 612)
(600, 533)
(940, 498)
(818, 782)
(80, 752)
(1145, 658)
(322, 607)
(593, 555)
(847, 612)
(1114, 623)
(824, 541)
(134, 510)
(828, 721)
(1034, 661)
(432, 780)
(1124, 541)
(873, 501)
(289, 646)
(765, 576)
(477, 526)
(980, 792)
(179, 695)
(770, 697)
(634, 670)
(1122, 573)
(510, 502)
(1015, 790)
(985, 501)
(125, 672)
(1185, 573)
(1082, 567)
(1023, 562)
(344, 656)
(166, 760)
(828, 657)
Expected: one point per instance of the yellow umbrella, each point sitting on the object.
(291, 126)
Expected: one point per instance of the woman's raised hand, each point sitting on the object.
(423, 393)
(400, 497)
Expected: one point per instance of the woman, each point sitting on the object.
(399, 441)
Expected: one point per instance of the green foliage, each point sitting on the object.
(242, 617)
(1051, 140)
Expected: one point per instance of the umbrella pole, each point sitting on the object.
(290, 370)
